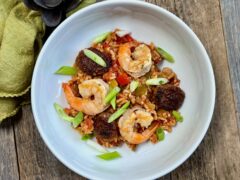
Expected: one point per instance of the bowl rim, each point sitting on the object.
(144, 5)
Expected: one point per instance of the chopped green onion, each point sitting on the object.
(116, 115)
(87, 137)
(96, 146)
(160, 134)
(66, 70)
(96, 58)
(101, 37)
(109, 156)
(126, 105)
(178, 116)
(119, 112)
(62, 113)
(74, 120)
(165, 55)
(113, 102)
(156, 81)
(134, 85)
(111, 94)
(77, 120)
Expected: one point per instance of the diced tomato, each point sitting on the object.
(124, 39)
(123, 79)
(105, 45)
(129, 38)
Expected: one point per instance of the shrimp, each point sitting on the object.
(92, 97)
(137, 63)
(128, 121)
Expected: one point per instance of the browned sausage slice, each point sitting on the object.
(106, 133)
(169, 97)
(90, 67)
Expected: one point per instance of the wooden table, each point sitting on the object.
(23, 155)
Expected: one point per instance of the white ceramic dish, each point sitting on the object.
(147, 23)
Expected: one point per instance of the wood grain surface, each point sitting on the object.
(217, 24)
(218, 155)
(231, 24)
(8, 155)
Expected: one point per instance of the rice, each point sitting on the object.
(165, 118)
(86, 126)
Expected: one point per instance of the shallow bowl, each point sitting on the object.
(147, 23)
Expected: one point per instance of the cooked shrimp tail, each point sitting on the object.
(135, 63)
(93, 93)
(74, 102)
(128, 122)
(140, 138)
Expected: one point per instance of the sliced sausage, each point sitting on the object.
(169, 97)
(105, 132)
(89, 66)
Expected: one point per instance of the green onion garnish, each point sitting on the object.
(66, 70)
(134, 85)
(62, 113)
(156, 81)
(96, 58)
(126, 105)
(113, 102)
(178, 116)
(96, 146)
(111, 94)
(101, 37)
(87, 137)
(109, 156)
(77, 120)
(165, 55)
(160, 134)
(74, 120)
(119, 112)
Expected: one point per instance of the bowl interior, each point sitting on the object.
(147, 23)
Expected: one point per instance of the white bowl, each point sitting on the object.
(147, 23)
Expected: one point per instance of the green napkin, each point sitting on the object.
(21, 32)
(8, 107)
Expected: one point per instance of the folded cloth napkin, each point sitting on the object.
(21, 32)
